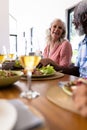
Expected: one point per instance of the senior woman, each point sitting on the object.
(58, 50)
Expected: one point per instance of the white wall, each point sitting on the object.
(39, 14)
(4, 23)
(30, 13)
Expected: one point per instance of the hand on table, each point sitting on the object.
(45, 62)
(80, 97)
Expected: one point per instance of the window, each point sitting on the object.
(72, 34)
(13, 43)
(13, 34)
(69, 23)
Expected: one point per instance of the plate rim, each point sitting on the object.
(42, 76)
(57, 75)
(66, 91)
(13, 110)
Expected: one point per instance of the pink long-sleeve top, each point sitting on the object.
(60, 53)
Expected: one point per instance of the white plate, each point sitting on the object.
(55, 76)
(42, 76)
(8, 115)
(6, 81)
(67, 90)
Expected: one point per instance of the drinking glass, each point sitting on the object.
(29, 62)
(11, 56)
(3, 55)
(2, 59)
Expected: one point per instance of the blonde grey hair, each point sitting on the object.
(48, 34)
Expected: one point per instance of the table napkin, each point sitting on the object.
(26, 119)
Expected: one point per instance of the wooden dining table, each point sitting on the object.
(56, 118)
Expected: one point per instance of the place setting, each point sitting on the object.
(21, 116)
(44, 73)
(38, 74)
(61, 95)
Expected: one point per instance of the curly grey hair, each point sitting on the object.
(80, 14)
(48, 34)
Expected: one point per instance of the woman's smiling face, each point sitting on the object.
(56, 30)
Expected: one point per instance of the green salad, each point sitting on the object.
(4, 73)
(17, 63)
(47, 69)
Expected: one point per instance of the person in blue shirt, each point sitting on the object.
(80, 93)
(80, 22)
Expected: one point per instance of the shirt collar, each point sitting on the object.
(84, 41)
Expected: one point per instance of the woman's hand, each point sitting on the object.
(45, 62)
(80, 97)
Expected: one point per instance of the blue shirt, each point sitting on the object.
(81, 60)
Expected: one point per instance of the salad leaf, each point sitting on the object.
(47, 69)
(17, 64)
